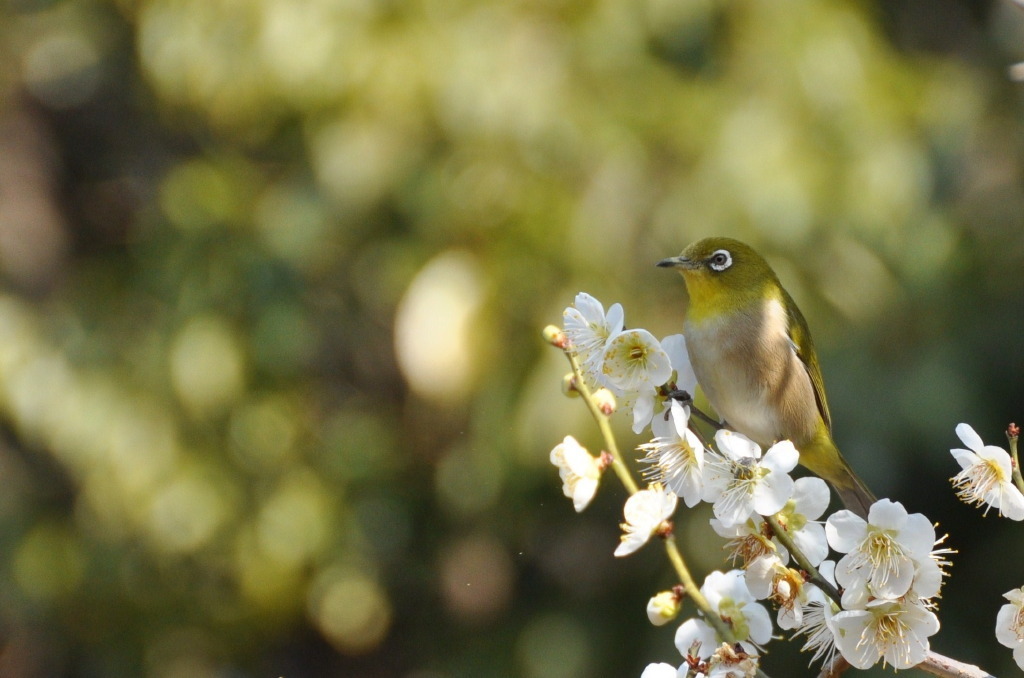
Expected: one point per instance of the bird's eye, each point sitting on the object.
(720, 260)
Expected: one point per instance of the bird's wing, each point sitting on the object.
(803, 346)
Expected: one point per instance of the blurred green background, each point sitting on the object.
(273, 396)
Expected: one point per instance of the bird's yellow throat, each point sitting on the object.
(708, 298)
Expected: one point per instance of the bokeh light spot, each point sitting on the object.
(271, 585)
(60, 68)
(476, 578)
(356, 162)
(351, 610)
(186, 513)
(206, 365)
(292, 526)
(197, 195)
(433, 328)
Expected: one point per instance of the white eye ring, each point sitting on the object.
(720, 260)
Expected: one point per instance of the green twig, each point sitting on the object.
(693, 591)
(1012, 432)
(618, 463)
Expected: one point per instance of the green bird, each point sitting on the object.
(753, 355)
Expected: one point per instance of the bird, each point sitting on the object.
(753, 356)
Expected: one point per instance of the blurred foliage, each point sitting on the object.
(273, 397)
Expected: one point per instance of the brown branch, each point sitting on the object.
(944, 667)
(934, 663)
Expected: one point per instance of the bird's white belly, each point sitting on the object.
(734, 367)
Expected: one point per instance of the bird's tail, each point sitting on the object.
(855, 494)
(825, 460)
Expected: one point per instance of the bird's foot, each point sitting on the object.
(684, 398)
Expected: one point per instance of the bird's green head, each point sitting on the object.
(722, 275)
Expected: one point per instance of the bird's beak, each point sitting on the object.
(676, 262)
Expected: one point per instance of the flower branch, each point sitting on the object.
(601, 416)
(1012, 434)
(875, 602)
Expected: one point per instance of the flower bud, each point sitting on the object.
(605, 401)
(555, 336)
(663, 608)
(569, 386)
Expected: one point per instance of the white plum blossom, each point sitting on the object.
(728, 596)
(986, 478)
(768, 578)
(634, 360)
(631, 363)
(644, 511)
(800, 515)
(634, 366)
(579, 470)
(882, 552)
(927, 582)
(895, 631)
(727, 662)
(741, 483)
(888, 575)
(589, 328)
(750, 540)
(676, 455)
(1010, 624)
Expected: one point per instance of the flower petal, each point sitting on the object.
(736, 446)
(1011, 502)
(643, 411)
(918, 536)
(679, 418)
(679, 358)
(971, 439)
(583, 492)
(695, 632)
(772, 493)
(782, 456)
(887, 514)
(845, 530)
(812, 542)
(1006, 633)
(999, 456)
(661, 670)
(811, 497)
(854, 640)
(759, 623)
(965, 458)
(614, 320)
